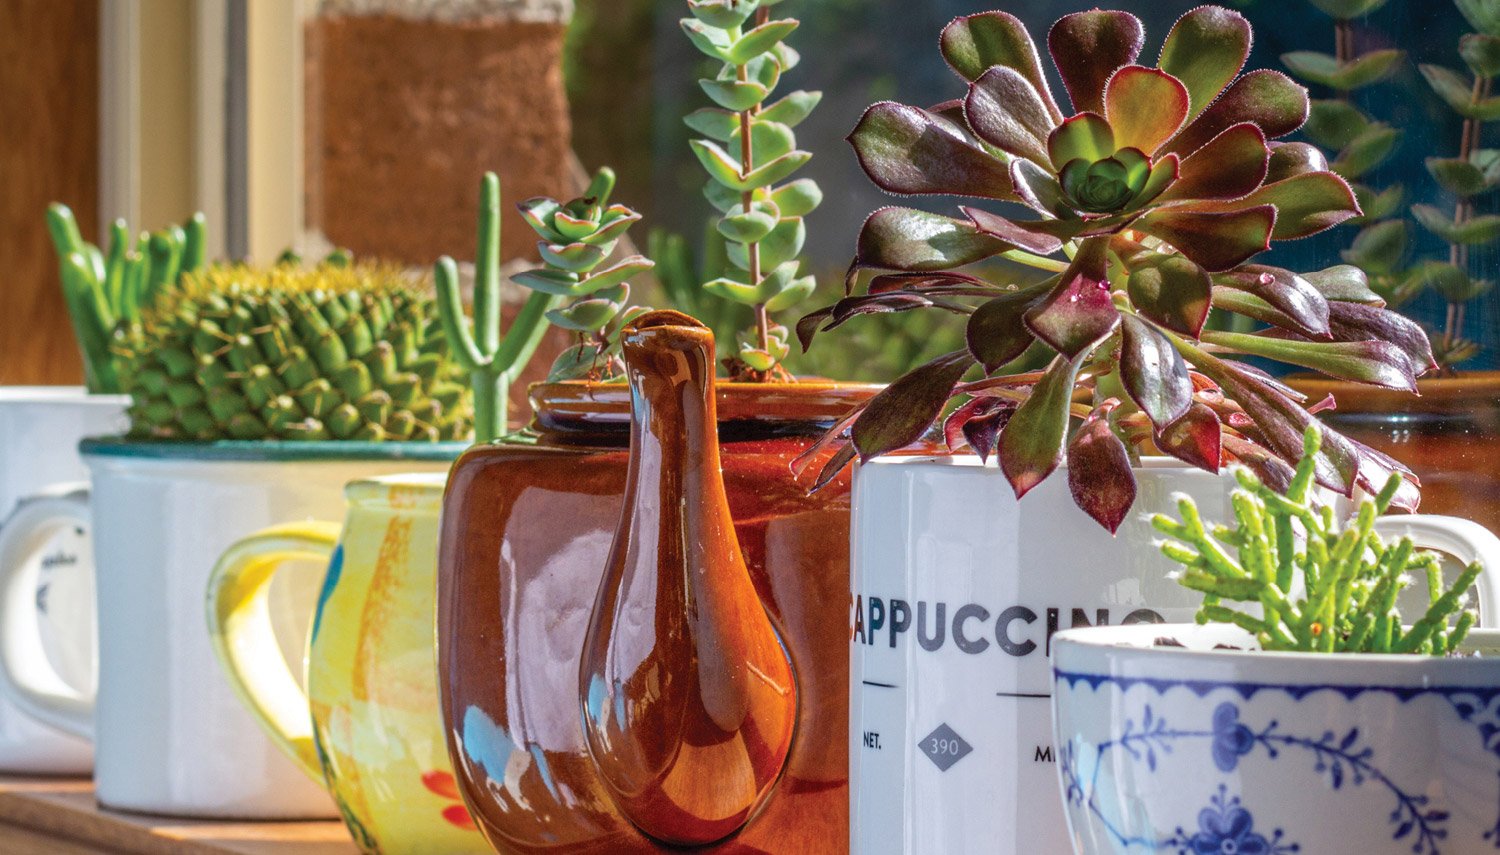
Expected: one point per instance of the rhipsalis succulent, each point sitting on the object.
(1360, 144)
(1474, 172)
(285, 352)
(1320, 586)
(492, 360)
(107, 291)
(749, 151)
(1149, 203)
(577, 237)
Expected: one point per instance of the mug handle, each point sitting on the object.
(239, 625)
(1466, 540)
(26, 673)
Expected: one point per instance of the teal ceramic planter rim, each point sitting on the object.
(270, 451)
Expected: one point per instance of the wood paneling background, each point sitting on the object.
(49, 143)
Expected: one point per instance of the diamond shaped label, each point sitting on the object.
(944, 747)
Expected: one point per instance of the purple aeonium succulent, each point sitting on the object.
(1143, 209)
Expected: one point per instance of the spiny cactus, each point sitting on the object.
(293, 353)
(107, 291)
(493, 362)
(576, 238)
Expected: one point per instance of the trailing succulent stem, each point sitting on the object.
(1150, 202)
(576, 240)
(493, 361)
(1474, 172)
(1318, 586)
(106, 291)
(749, 150)
(1359, 145)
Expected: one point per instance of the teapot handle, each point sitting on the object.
(239, 625)
(27, 674)
(1466, 540)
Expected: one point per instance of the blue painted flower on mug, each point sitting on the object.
(1232, 739)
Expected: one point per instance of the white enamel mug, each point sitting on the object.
(40, 427)
(958, 589)
(171, 736)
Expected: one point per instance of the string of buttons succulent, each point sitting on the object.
(749, 151)
(1319, 585)
(1148, 204)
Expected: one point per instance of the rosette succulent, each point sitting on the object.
(1142, 209)
(750, 152)
(576, 239)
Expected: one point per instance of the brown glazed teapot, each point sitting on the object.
(643, 615)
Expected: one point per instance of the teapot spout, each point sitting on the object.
(688, 697)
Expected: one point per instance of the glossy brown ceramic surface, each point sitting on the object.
(686, 694)
(1450, 436)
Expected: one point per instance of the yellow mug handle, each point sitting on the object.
(239, 624)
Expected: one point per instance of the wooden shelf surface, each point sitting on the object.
(60, 817)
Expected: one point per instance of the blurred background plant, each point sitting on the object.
(862, 56)
(1473, 172)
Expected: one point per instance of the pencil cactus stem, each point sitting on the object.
(487, 267)
(525, 334)
(450, 302)
(92, 323)
(194, 244)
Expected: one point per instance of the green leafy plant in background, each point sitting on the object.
(681, 272)
(750, 151)
(106, 291)
(1474, 172)
(335, 351)
(1319, 586)
(1360, 144)
(1149, 203)
(493, 360)
(577, 237)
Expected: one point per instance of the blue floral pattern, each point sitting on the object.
(1225, 827)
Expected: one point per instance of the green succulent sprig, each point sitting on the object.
(1360, 144)
(1474, 172)
(1141, 213)
(493, 359)
(749, 151)
(106, 291)
(576, 239)
(1320, 586)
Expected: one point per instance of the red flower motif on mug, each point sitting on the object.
(444, 785)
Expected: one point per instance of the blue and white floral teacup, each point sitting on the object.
(1207, 749)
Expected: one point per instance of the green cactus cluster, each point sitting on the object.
(493, 360)
(106, 291)
(577, 237)
(750, 153)
(1314, 584)
(286, 352)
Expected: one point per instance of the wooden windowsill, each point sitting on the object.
(60, 817)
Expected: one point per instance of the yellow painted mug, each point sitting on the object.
(368, 725)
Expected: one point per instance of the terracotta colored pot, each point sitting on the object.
(680, 719)
(1450, 436)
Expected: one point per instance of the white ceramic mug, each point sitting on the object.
(957, 591)
(171, 737)
(40, 427)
